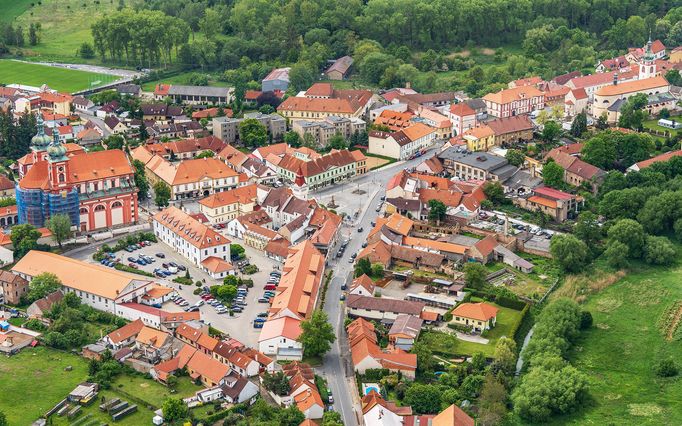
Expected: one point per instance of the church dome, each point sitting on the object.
(40, 140)
(56, 151)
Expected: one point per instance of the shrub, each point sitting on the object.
(196, 291)
(250, 269)
(585, 320)
(666, 368)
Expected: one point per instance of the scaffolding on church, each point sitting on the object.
(35, 206)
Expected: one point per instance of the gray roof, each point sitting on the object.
(198, 90)
(475, 103)
(406, 324)
(480, 160)
(522, 179)
(505, 172)
(462, 240)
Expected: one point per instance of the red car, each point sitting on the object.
(132, 265)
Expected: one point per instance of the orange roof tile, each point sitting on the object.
(216, 265)
(400, 224)
(461, 109)
(189, 229)
(478, 311)
(243, 195)
(543, 201)
(506, 96)
(417, 131)
(126, 332)
(632, 86)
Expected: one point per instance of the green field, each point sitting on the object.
(13, 8)
(34, 380)
(450, 345)
(181, 79)
(62, 79)
(618, 352)
(65, 26)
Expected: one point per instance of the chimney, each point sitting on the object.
(615, 78)
(408, 85)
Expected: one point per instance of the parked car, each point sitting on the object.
(258, 325)
(160, 255)
(262, 315)
(263, 300)
(259, 320)
(132, 265)
(270, 287)
(360, 229)
(182, 268)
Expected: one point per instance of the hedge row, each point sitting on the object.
(500, 300)
(213, 418)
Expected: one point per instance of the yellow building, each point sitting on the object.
(479, 138)
(222, 207)
(321, 100)
(479, 316)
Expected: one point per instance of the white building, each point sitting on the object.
(191, 238)
(402, 144)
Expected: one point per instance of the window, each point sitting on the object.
(99, 208)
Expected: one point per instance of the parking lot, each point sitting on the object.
(239, 326)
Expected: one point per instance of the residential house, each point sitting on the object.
(42, 306)
(479, 138)
(575, 102)
(483, 250)
(362, 286)
(153, 344)
(395, 120)
(160, 112)
(452, 416)
(89, 137)
(366, 353)
(657, 159)
(479, 316)
(13, 287)
(278, 79)
(277, 249)
(123, 336)
(576, 171)
(402, 144)
(404, 331)
(510, 130)
(336, 166)
(376, 411)
(430, 166)
(224, 206)
(340, 68)
(516, 101)
(182, 149)
(82, 104)
(462, 116)
(129, 89)
(239, 225)
(558, 205)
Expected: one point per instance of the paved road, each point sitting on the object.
(98, 121)
(337, 367)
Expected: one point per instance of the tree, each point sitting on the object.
(363, 267)
(570, 252)
(475, 275)
(277, 383)
(425, 361)
(553, 175)
(505, 356)
(267, 109)
(493, 402)
(86, 51)
(579, 125)
(377, 270)
(162, 194)
(3, 419)
(174, 409)
(543, 392)
(206, 154)
(437, 210)
(630, 233)
(32, 34)
(329, 418)
(673, 76)
(659, 251)
(631, 113)
(237, 251)
(292, 139)
(252, 133)
(515, 157)
(666, 368)
(317, 334)
(551, 131)
(587, 228)
(337, 142)
(60, 226)
(424, 399)
(24, 239)
(616, 254)
(600, 151)
(494, 191)
(301, 77)
(227, 293)
(291, 416)
(42, 285)
(140, 178)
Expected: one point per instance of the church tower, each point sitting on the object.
(57, 162)
(300, 188)
(647, 67)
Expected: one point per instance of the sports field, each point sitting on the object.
(62, 79)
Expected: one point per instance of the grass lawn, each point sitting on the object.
(653, 125)
(449, 344)
(153, 392)
(62, 79)
(618, 352)
(65, 26)
(182, 79)
(13, 8)
(34, 380)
